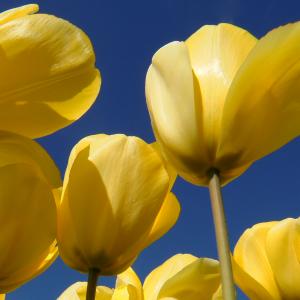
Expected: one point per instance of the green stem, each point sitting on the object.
(228, 288)
(92, 284)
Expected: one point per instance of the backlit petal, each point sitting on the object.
(174, 104)
(18, 12)
(165, 219)
(216, 54)
(262, 109)
(50, 78)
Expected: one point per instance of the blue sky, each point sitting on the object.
(125, 35)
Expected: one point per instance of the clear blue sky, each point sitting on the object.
(125, 35)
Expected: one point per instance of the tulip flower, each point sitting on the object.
(116, 201)
(181, 277)
(266, 261)
(29, 183)
(220, 101)
(48, 75)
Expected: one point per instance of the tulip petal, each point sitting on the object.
(199, 280)
(77, 291)
(169, 168)
(282, 248)
(128, 286)
(216, 54)
(165, 219)
(34, 210)
(18, 12)
(50, 78)
(183, 277)
(174, 104)
(262, 109)
(16, 149)
(253, 271)
(85, 207)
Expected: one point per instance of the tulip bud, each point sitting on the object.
(116, 201)
(49, 70)
(28, 186)
(267, 261)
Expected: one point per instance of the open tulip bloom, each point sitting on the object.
(181, 277)
(223, 99)
(49, 70)
(116, 201)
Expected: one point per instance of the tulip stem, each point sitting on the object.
(217, 207)
(92, 284)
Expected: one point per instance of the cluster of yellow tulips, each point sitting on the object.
(218, 102)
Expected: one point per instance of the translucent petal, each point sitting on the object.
(175, 108)
(262, 109)
(216, 54)
(18, 12)
(50, 78)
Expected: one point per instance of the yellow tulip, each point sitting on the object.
(116, 201)
(182, 277)
(28, 186)
(48, 75)
(267, 261)
(221, 99)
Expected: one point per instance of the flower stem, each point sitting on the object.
(228, 288)
(92, 284)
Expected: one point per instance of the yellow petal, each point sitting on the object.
(282, 246)
(128, 286)
(28, 212)
(2, 297)
(165, 219)
(216, 54)
(175, 110)
(50, 78)
(169, 168)
(18, 12)
(115, 185)
(253, 272)
(262, 109)
(16, 149)
(183, 277)
(77, 291)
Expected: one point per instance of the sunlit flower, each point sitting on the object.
(267, 261)
(48, 77)
(182, 277)
(29, 182)
(221, 99)
(116, 201)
